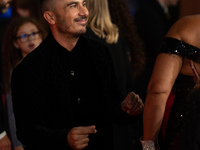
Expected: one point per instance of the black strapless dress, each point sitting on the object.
(182, 87)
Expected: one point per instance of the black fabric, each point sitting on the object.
(182, 87)
(190, 137)
(3, 112)
(125, 136)
(119, 53)
(54, 90)
(175, 46)
(2, 125)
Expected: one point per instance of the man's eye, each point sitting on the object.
(74, 5)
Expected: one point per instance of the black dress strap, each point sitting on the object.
(175, 46)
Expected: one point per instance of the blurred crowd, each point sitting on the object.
(133, 31)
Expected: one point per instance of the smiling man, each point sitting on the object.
(64, 92)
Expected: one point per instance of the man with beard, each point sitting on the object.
(64, 92)
(4, 140)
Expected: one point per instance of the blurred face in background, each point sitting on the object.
(23, 12)
(28, 38)
(4, 5)
(172, 2)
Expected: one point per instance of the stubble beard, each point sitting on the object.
(62, 29)
(61, 24)
(81, 31)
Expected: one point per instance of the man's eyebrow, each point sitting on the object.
(72, 3)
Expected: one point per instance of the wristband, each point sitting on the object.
(147, 145)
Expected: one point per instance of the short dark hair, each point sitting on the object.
(46, 5)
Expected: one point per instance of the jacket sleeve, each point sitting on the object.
(2, 126)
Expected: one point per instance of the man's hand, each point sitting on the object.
(5, 143)
(19, 148)
(78, 137)
(132, 104)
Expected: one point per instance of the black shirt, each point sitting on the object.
(54, 90)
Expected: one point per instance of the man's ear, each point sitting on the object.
(16, 44)
(49, 17)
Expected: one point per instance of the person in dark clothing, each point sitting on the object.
(101, 28)
(121, 16)
(64, 92)
(153, 19)
(4, 140)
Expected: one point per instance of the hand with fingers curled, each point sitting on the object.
(5, 143)
(132, 104)
(78, 137)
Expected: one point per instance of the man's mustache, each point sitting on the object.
(80, 18)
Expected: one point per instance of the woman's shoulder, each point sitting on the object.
(186, 29)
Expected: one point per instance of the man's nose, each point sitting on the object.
(83, 11)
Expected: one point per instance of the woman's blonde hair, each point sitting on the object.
(100, 21)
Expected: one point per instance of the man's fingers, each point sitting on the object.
(132, 98)
(81, 143)
(5, 143)
(133, 108)
(138, 109)
(82, 146)
(86, 130)
(139, 104)
(131, 102)
(78, 137)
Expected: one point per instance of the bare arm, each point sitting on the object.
(166, 70)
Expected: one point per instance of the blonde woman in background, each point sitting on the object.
(101, 28)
